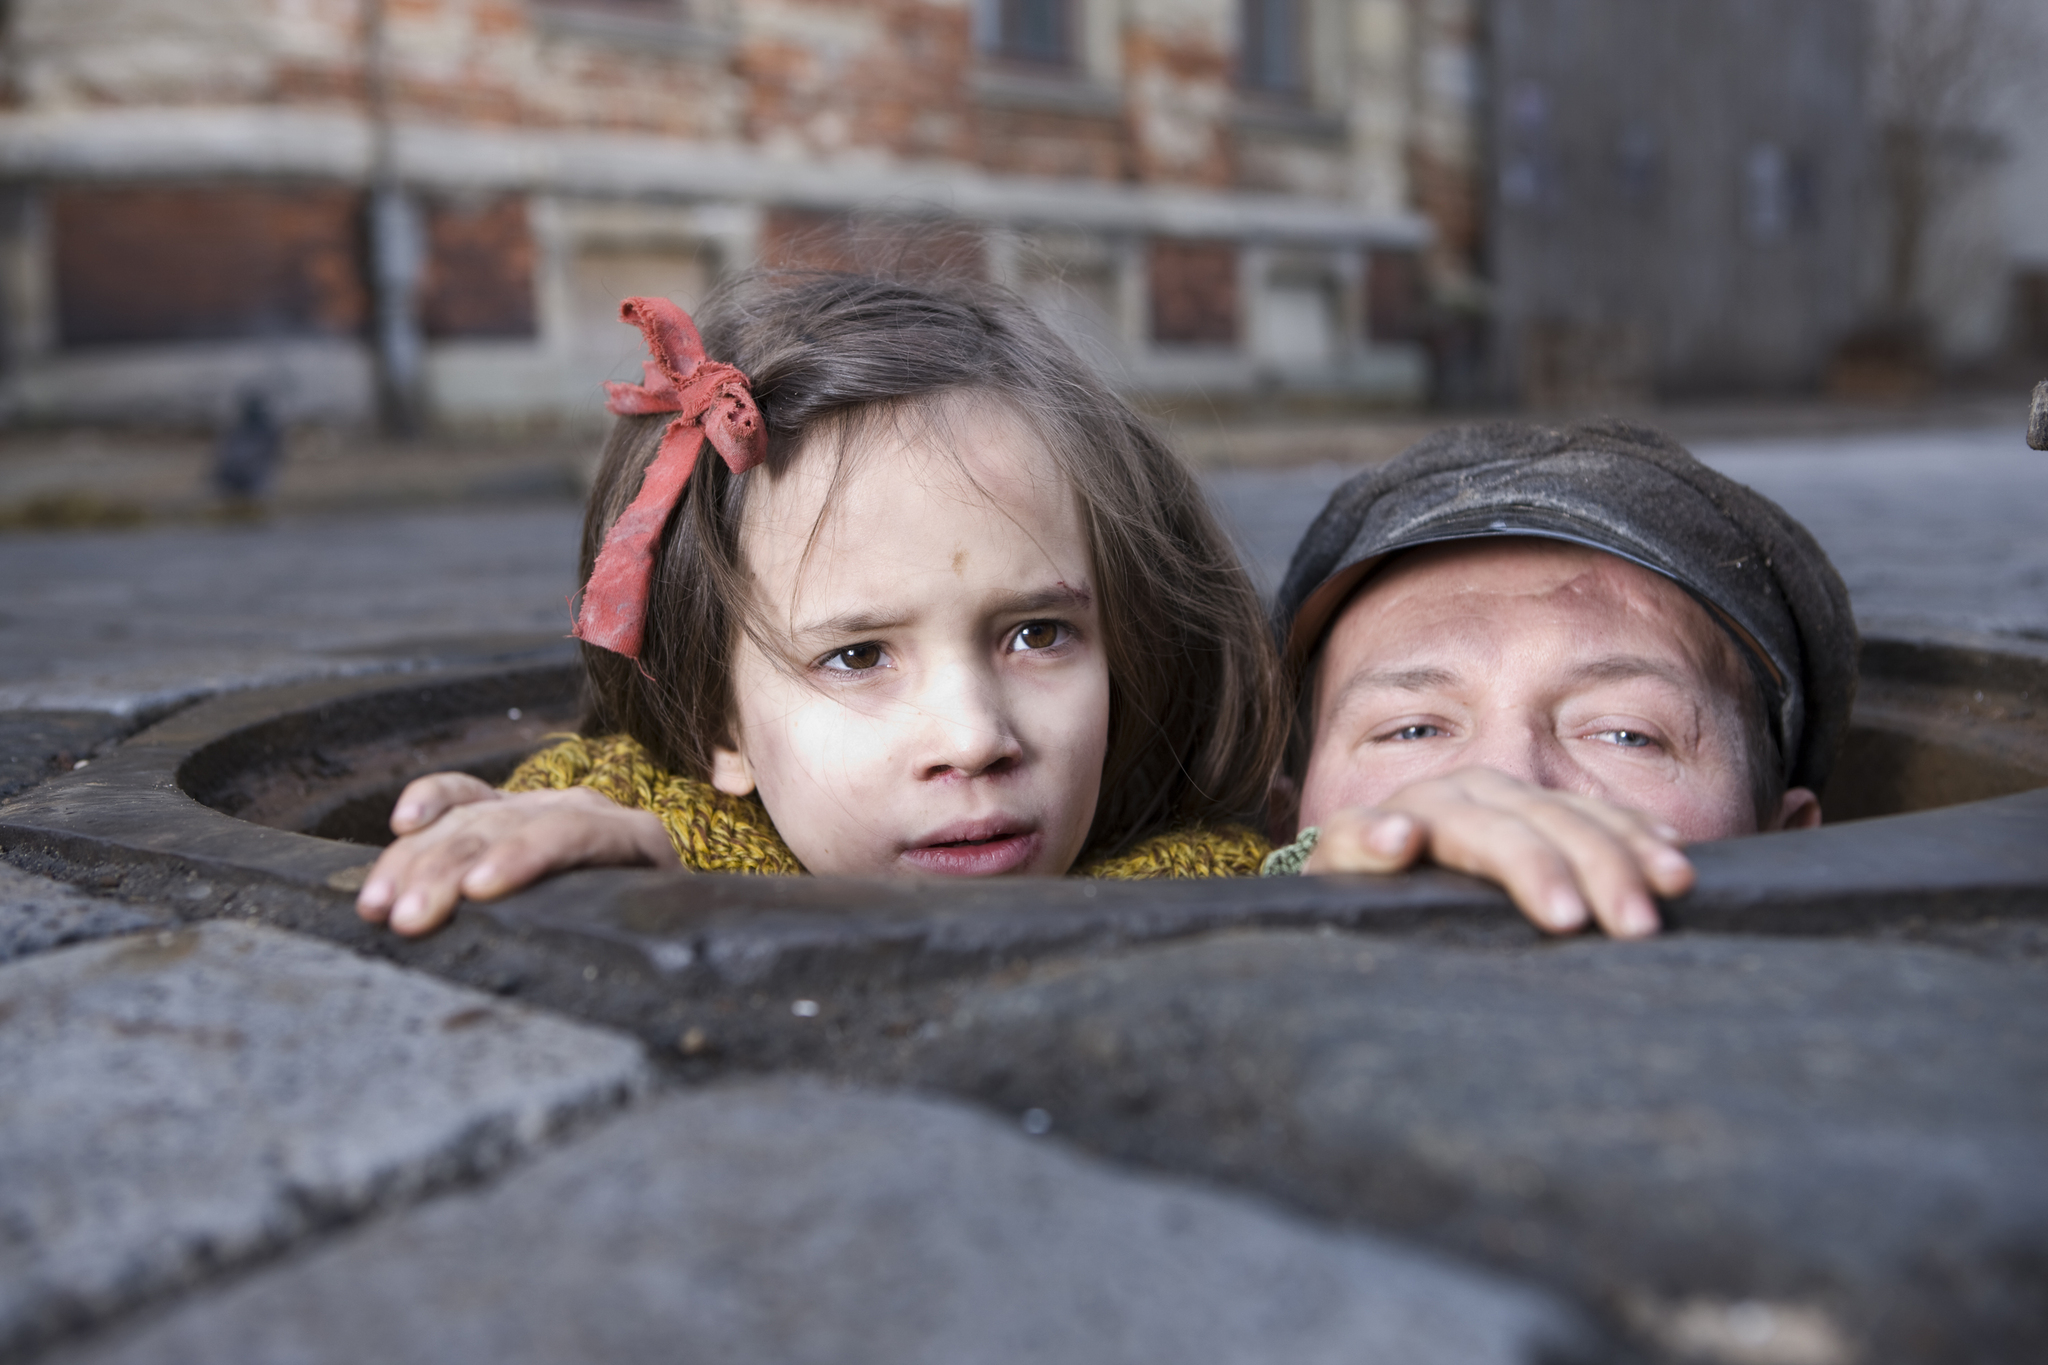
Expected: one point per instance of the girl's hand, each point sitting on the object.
(1555, 853)
(461, 837)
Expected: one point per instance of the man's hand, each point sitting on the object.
(461, 837)
(1556, 854)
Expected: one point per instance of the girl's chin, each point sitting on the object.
(993, 858)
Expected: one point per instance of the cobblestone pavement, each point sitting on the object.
(1936, 528)
(235, 1142)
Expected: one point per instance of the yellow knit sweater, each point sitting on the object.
(715, 832)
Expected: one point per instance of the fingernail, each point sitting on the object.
(1671, 863)
(479, 879)
(1638, 918)
(1567, 911)
(1389, 835)
(375, 894)
(406, 812)
(1664, 831)
(409, 911)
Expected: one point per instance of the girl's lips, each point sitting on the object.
(969, 852)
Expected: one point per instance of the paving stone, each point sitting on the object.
(37, 914)
(35, 745)
(134, 621)
(1855, 1132)
(785, 1221)
(182, 1100)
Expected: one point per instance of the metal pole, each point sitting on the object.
(397, 248)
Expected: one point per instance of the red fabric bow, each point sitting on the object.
(714, 402)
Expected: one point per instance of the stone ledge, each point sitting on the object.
(646, 950)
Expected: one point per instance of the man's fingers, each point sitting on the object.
(1618, 858)
(1607, 869)
(1503, 847)
(1367, 841)
(1652, 845)
(427, 799)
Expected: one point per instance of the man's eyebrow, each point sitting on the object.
(1421, 679)
(1627, 667)
(1060, 596)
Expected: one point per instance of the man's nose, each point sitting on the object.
(1521, 747)
(965, 728)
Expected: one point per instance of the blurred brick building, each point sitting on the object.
(1234, 196)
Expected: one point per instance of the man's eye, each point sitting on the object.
(1626, 739)
(1036, 635)
(854, 658)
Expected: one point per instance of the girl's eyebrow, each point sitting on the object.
(1058, 597)
(856, 623)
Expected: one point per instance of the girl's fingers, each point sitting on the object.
(427, 799)
(432, 882)
(484, 851)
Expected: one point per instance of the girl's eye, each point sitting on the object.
(1626, 739)
(1036, 635)
(854, 658)
(1416, 732)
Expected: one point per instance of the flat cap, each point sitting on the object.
(1632, 492)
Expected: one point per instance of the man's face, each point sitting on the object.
(1563, 666)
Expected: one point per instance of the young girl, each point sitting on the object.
(939, 604)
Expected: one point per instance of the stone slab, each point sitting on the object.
(789, 1222)
(184, 1100)
(1852, 1134)
(37, 914)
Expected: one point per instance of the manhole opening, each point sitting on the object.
(1935, 725)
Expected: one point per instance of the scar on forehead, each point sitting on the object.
(959, 561)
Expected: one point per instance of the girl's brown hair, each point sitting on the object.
(1195, 720)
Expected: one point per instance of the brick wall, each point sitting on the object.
(145, 264)
(142, 264)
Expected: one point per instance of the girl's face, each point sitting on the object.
(942, 703)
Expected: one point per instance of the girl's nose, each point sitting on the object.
(965, 730)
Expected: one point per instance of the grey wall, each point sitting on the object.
(1677, 193)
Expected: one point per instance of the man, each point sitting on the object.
(1548, 656)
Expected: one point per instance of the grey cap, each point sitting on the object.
(1632, 492)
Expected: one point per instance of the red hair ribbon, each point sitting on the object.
(712, 402)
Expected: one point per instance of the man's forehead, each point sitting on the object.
(1422, 602)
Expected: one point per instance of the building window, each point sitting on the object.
(1777, 192)
(1271, 55)
(1194, 292)
(1038, 32)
